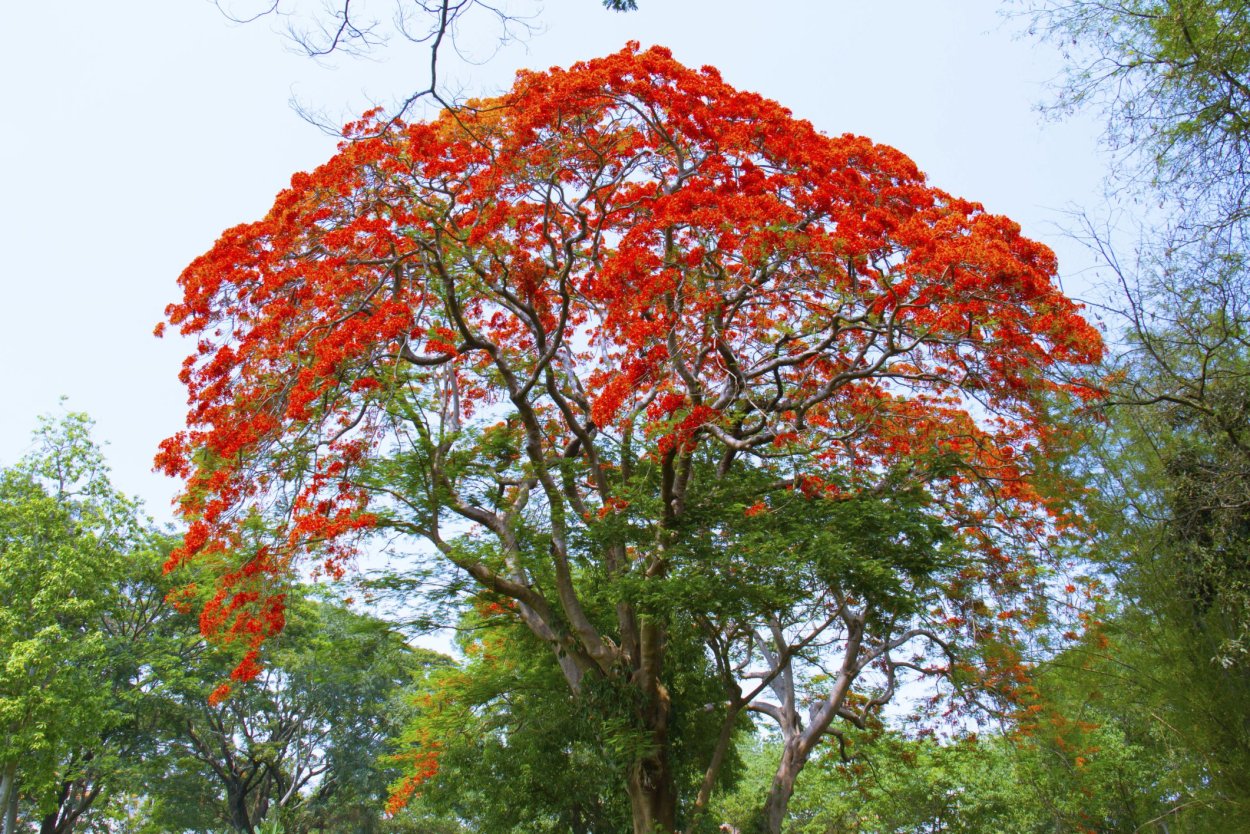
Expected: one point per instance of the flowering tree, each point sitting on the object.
(584, 339)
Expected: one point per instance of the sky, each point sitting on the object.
(134, 133)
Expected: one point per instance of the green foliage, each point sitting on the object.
(737, 563)
(515, 750)
(104, 684)
(54, 577)
(1172, 469)
(300, 748)
(1175, 671)
(1084, 778)
(73, 626)
(1171, 465)
(1172, 78)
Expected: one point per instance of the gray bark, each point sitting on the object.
(799, 741)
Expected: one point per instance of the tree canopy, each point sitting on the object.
(540, 333)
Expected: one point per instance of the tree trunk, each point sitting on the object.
(652, 794)
(8, 799)
(51, 822)
(793, 757)
(239, 817)
(652, 798)
(800, 742)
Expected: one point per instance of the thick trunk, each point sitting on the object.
(793, 758)
(652, 798)
(240, 819)
(652, 792)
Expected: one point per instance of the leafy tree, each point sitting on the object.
(590, 341)
(1085, 778)
(1173, 77)
(1172, 471)
(97, 774)
(302, 745)
(69, 626)
(105, 683)
(1173, 80)
(514, 750)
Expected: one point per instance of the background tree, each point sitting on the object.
(1173, 528)
(1089, 778)
(106, 679)
(70, 626)
(1172, 79)
(302, 745)
(140, 638)
(537, 333)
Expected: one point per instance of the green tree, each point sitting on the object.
(99, 773)
(67, 542)
(499, 742)
(1172, 464)
(302, 745)
(1079, 767)
(1172, 78)
(1173, 472)
(105, 684)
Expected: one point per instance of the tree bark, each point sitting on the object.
(239, 817)
(652, 797)
(652, 792)
(793, 758)
(8, 799)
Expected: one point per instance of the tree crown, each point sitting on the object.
(545, 310)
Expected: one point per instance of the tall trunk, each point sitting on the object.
(8, 798)
(793, 757)
(652, 792)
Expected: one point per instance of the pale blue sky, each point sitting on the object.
(131, 139)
